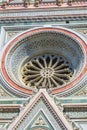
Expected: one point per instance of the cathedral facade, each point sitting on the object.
(43, 65)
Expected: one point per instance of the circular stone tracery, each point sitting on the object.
(61, 41)
(46, 71)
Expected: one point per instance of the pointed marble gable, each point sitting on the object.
(40, 121)
(43, 106)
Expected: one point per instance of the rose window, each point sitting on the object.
(46, 71)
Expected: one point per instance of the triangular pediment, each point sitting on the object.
(40, 121)
(41, 114)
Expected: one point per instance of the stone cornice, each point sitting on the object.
(43, 12)
(9, 108)
(28, 19)
(75, 105)
(57, 14)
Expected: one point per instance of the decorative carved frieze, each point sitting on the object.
(39, 3)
